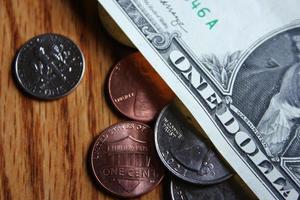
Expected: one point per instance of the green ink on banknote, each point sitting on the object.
(203, 12)
(212, 23)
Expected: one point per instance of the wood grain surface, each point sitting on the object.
(44, 146)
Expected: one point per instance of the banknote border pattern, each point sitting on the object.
(163, 43)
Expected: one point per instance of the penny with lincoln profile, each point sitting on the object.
(124, 160)
(136, 90)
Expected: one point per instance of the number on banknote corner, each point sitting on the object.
(203, 12)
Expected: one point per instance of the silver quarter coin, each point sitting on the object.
(226, 190)
(185, 154)
(49, 66)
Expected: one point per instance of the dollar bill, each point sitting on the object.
(236, 67)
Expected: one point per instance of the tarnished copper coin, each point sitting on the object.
(124, 160)
(136, 90)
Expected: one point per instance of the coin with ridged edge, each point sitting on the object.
(229, 189)
(49, 66)
(124, 160)
(184, 153)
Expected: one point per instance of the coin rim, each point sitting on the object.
(106, 188)
(170, 169)
(110, 90)
(20, 82)
(172, 190)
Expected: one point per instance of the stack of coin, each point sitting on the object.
(128, 159)
(195, 167)
(123, 158)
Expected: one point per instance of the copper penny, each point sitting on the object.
(136, 90)
(124, 160)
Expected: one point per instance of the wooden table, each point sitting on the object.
(44, 145)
